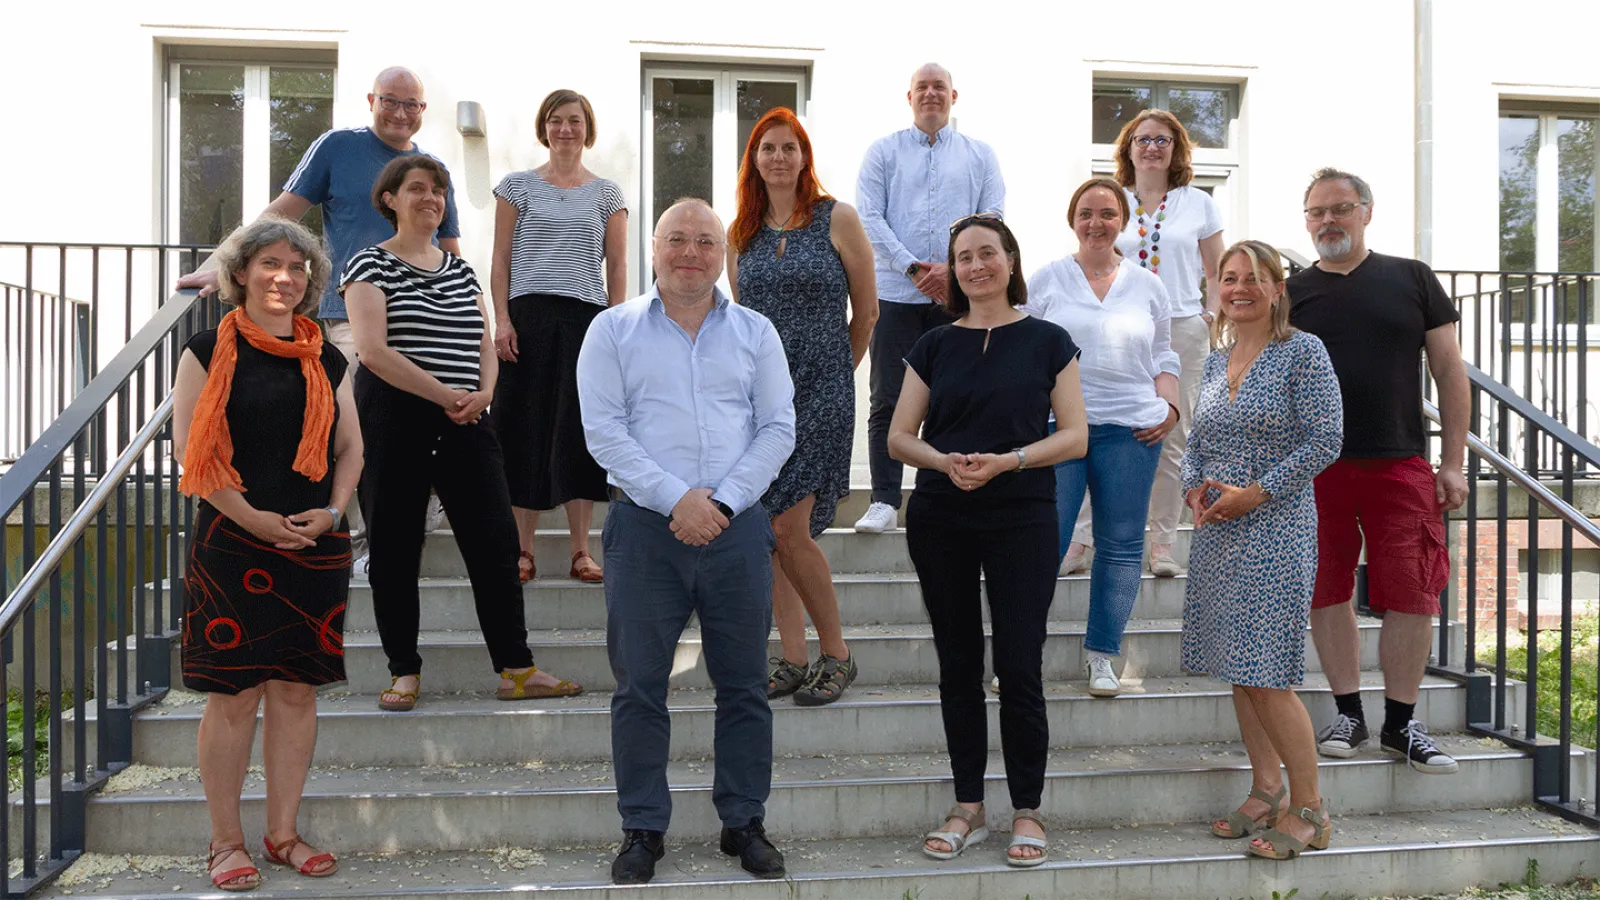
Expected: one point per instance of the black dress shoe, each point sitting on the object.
(756, 853)
(636, 860)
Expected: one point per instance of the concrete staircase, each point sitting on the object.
(469, 796)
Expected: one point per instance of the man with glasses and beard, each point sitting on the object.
(1375, 313)
(337, 173)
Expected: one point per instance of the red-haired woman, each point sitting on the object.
(796, 255)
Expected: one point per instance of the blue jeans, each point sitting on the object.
(1117, 473)
(653, 583)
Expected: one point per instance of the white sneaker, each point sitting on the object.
(880, 517)
(1102, 678)
(1162, 565)
(435, 516)
(358, 569)
(1076, 560)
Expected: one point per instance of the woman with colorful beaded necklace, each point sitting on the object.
(1174, 232)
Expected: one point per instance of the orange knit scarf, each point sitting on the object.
(208, 459)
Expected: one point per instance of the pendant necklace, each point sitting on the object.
(1151, 258)
(783, 233)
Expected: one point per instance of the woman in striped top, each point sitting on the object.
(427, 372)
(554, 228)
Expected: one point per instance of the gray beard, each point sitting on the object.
(1334, 248)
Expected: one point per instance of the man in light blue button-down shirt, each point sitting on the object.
(688, 406)
(913, 184)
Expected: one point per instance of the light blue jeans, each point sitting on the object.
(1117, 473)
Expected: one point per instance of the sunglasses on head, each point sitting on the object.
(964, 221)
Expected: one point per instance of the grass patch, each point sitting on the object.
(1585, 677)
(16, 740)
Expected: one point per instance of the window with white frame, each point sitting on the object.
(696, 122)
(237, 123)
(1548, 184)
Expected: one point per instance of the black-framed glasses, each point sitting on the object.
(412, 107)
(1339, 210)
(964, 221)
(1159, 142)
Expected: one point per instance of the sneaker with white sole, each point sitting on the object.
(1102, 678)
(435, 516)
(1343, 737)
(879, 517)
(1162, 565)
(1076, 560)
(358, 569)
(1413, 743)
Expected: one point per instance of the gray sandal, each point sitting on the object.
(1240, 825)
(1287, 846)
(784, 677)
(977, 830)
(1023, 840)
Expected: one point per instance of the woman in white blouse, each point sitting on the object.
(1175, 232)
(1117, 312)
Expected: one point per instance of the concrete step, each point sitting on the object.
(864, 599)
(1383, 855)
(887, 654)
(848, 552)
(464, 729)
(546, 804)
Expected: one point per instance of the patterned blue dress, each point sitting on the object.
(1248, 597)
(806, 295)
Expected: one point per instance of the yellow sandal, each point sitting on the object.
(521, 690)
(407, 701)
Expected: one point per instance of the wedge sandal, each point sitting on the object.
(1286, 846)
(1237, 825)
(977, 830)
(1023, 840)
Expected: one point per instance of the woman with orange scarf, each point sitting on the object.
(265, 423)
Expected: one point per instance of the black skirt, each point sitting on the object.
(254, 613)
(535, 412)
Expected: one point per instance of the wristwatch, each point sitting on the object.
(1022, 459)
(723, 508)
(911, 270)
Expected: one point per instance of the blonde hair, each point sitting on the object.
(1266, 266)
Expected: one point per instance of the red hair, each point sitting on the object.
(752, 192)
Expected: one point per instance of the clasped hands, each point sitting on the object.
(970, 471)
(466, 407)
(1232, 502)
(294, 532)
(696, 521)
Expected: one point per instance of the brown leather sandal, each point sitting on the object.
(526, 574)
(588, 574)
(407, 701)
(281, 855)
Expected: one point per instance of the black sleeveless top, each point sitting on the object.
(266, 412)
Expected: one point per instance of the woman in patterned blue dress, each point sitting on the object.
(796, 255)
(1269, 418)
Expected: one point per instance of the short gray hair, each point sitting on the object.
(235, 254)
(1329, 173)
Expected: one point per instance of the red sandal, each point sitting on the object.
(226, 880)
(281, 853)
(589, 574)
(526, 575)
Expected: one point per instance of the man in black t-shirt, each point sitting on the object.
(1375, 313)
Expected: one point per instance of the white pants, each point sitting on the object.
(1191, 338)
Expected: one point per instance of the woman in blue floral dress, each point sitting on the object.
(1269, 418)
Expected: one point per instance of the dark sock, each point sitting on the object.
(1350, 705)
(1397, 715)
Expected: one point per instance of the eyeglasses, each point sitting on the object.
(964, 221)
(412, 107)
(678, 242)
(1157, 142)
(1339, 210)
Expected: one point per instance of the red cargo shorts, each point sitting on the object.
(1392, 502)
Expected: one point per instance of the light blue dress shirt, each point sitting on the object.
(664, 413)
(908, 193)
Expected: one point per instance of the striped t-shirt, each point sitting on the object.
(433, 317)
(559, 241)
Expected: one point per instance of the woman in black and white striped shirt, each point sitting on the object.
(555, 228)
(427, 372)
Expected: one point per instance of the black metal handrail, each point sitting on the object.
(61, 302)
(1489, 705)
(128, 518)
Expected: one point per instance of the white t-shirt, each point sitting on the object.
(1190, 217)
(1126, 339)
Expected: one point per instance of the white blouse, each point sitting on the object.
(1189, 218)
(1126, 339)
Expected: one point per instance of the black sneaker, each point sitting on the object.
(1413, 743)
(784, 678)
(636, 859)
(1343, 737)
(829, 678)
(756, 854)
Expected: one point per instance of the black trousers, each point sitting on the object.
(1018, 563)
(411, 445)
(897, 329)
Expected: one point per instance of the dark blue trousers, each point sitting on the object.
(653, 583)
